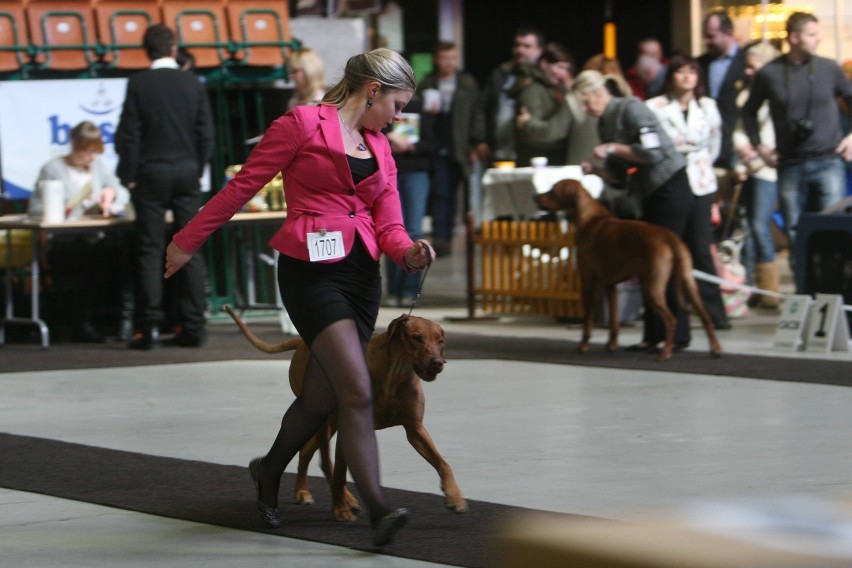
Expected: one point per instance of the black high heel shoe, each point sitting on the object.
(270, 515)
(387, 526)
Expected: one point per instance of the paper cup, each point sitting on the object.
(53, 198)
(431, 100)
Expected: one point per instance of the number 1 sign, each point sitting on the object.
(827, 327)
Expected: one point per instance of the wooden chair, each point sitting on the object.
(121, 25)
(62, 33)
(201, 28)
(14, 37)
(260, 32)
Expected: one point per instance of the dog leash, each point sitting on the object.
(419, 291)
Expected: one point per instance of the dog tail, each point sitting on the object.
(287, 345)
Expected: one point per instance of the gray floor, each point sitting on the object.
(619, 444)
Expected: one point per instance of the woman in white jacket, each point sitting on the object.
(694, 124)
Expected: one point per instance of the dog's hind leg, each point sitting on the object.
(320, 441)
(420, 439)
(344, 505)
(589, 289)
(654, 288)
(691, 290)
(301, 492)
(610, 293)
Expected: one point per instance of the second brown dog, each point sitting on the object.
(611, 250)
(411, 350)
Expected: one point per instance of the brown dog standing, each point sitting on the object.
(410, 350)
(611, 250)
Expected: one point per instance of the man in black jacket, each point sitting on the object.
(164, 139)
(723, 67)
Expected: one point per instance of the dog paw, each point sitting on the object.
(304, 497)
(612, 347)
(457, 505)
(583, 348)
(344, 515)
(351, 501)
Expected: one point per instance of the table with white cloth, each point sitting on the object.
(509, 193)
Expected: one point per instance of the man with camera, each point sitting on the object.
(803, 90)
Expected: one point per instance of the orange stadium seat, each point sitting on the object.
(14, 36)
(201, 28)
(255, 26)
(63, 34)
(121, 25)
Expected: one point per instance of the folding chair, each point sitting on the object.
(14, 37)
(201, 28)
(121, 25)
(260, 32)
(62, 33)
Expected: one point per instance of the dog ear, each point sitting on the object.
(397, 325)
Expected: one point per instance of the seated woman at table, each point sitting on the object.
(90, 185)
(83, 268)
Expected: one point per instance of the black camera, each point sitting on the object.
(803, 128)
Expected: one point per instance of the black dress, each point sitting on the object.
(317, 294)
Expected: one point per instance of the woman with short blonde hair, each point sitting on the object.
(308, 73)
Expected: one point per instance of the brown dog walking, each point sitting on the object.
(411, 350)
(611, 250)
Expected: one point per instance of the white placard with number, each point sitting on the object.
(325, 245)
(790, 333)
(827, 327)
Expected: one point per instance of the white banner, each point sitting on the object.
(37, 118)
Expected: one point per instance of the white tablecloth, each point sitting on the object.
(510, 192)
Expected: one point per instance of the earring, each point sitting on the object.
(369, 103)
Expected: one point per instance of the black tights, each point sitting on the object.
(336, 378)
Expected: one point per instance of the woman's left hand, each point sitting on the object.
(419, 255)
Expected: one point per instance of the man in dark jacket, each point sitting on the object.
(164, 140)
(497, 101)
(459, 127)
(723, 67)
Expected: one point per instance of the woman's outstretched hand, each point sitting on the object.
(176, 257)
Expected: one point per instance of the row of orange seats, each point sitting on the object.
(74, 35)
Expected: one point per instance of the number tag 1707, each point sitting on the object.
(325, 245)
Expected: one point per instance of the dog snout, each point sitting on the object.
(545, 201)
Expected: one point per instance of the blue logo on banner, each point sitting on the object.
(60, 132)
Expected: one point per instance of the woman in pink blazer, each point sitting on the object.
(343, 212)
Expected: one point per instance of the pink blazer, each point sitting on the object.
(307, 147)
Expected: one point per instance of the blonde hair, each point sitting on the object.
(589, 81)
(763, 51)
(312, 66)
(87, 136)
(384, 65)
